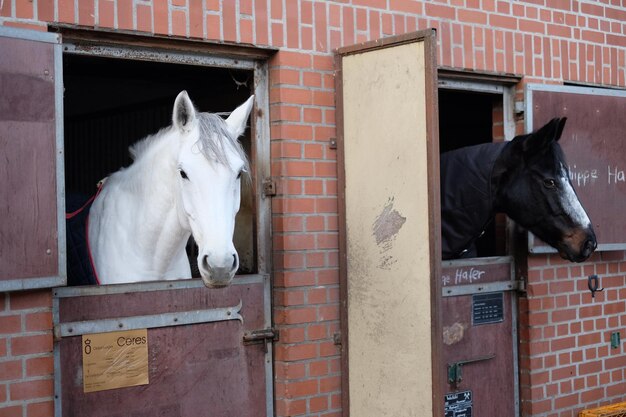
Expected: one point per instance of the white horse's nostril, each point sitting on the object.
(235, 262)
(205, 263)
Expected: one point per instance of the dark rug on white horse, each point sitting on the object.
(79, 268)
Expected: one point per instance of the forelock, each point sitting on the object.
(215, 139)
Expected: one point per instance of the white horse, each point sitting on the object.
(185, 180)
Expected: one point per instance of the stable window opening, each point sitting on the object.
(111, 103)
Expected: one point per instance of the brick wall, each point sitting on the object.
(549, 41)
(567, 361)
(26, 362)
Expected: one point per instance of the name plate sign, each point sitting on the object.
(115, 360)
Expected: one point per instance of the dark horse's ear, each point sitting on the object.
(540, 140)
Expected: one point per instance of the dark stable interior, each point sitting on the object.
(466, 119)
(110, 103)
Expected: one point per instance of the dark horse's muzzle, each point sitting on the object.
(578, 245)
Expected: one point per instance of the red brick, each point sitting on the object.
(291, 407)
(144, 18)
(501, 21)
(290, 370)
(327, 277)
(10, 324)
(315, 259)
(292, 335)
(213, 27)
(301, 388)
(615, 308)
(592, 367)
(39, 321)
(297, 316)
(106, 13)
(246, 34)
(10, 370)
(196, 21)
(318, 404)
(330, 384)
(348, 26)
(329, 313)
(41, 409)
(31, 344)
(31, 390)
(125, 14)
(472, 16)
(40, 366)
(438, 10)
(318, 368)
(563, 315)
(86, 15)
(23, 9)
(292, 21)
(179, 23)
(291, 96)
(45, 13)
(321, 28)
(229, 19)
(316, 295)
(564, 372)
(295, 352)
(11, 411)
(277, 34)
(298, 278)
(566, 401)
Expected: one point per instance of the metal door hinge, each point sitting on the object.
(269, 187)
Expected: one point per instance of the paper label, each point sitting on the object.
(115, 360)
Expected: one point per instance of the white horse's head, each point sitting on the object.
(211, 166)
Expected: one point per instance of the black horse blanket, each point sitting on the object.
(467, 197)
(80, 269)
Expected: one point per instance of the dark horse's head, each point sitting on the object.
(534, 189)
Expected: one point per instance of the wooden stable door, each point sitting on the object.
(32, 229)
(389, 199)
(205, 350)
(479, 338)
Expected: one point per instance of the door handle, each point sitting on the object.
(455, 373)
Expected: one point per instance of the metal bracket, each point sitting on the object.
(455, 374)
(457, 290)
(269, 187)
(148, 321)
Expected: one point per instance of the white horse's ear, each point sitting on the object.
(184, 115)
(239, 117)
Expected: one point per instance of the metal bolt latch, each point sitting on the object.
(455, 374)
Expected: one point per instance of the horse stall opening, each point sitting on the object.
(478, 299)
(167, 348)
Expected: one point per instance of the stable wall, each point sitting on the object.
(565, 362)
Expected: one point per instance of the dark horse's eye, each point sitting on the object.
(549, 183)
(183, 174)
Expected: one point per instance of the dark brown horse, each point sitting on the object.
(526, 178)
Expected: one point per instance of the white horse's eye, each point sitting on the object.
(183, 174)
(239, 175)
